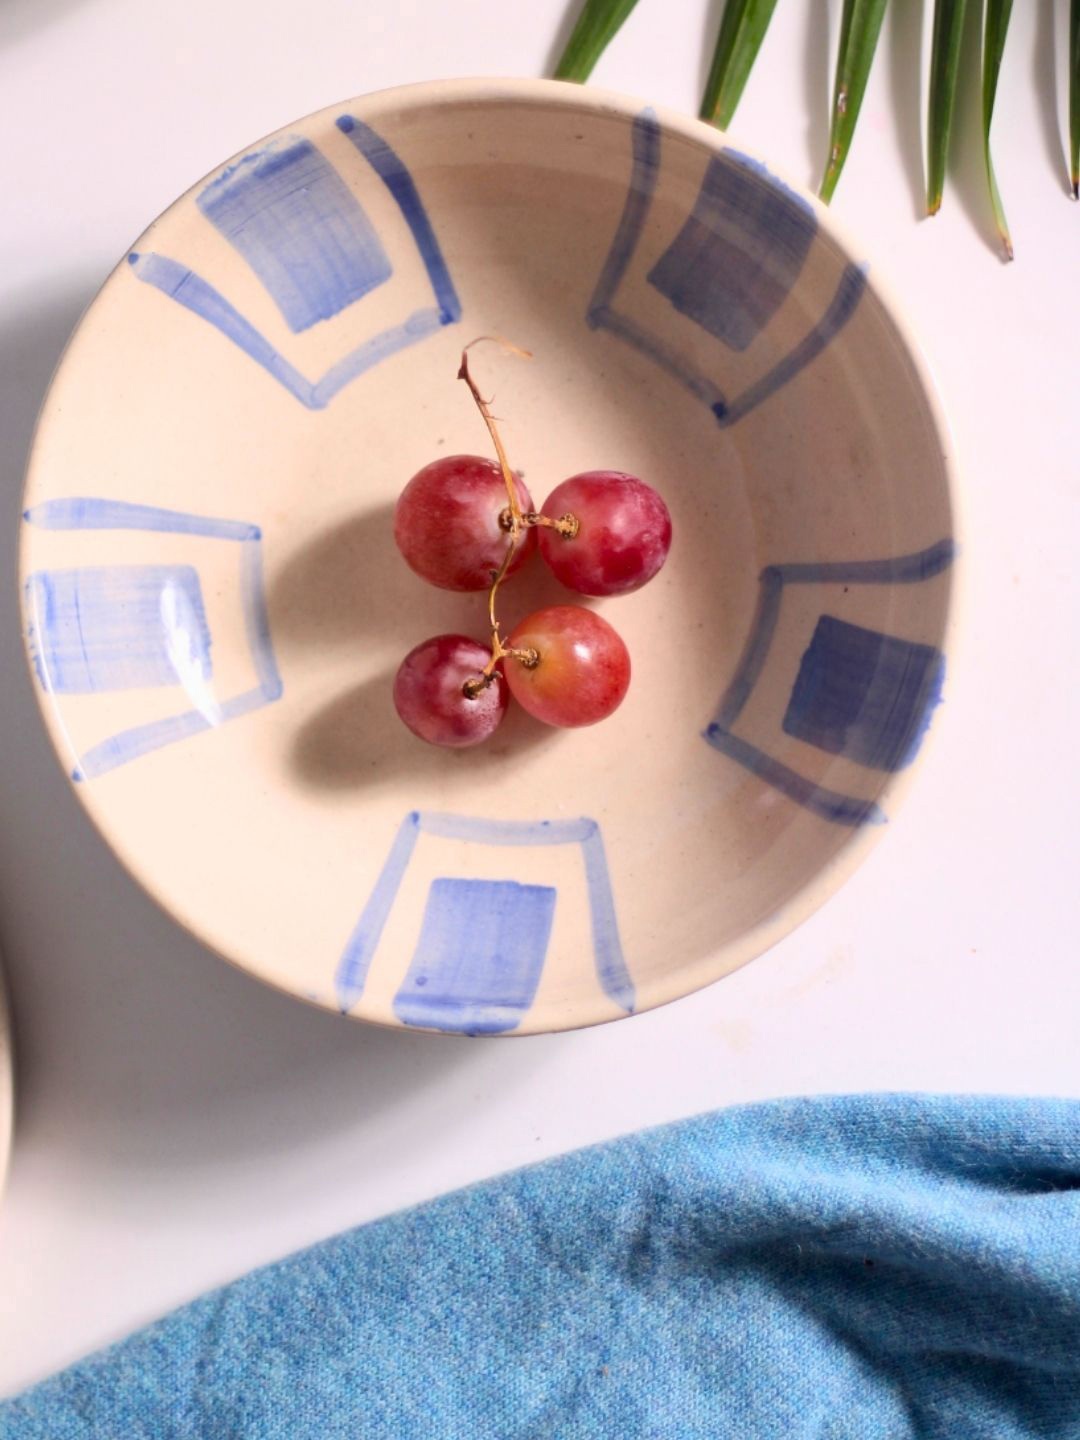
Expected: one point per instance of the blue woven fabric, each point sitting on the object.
(875, 1267)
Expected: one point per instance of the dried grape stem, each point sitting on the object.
(512, 520)
(567, 525)
(489, 420)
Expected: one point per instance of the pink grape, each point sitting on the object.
(446, 522)
(429, 692)
(624, 534)
(583, 671)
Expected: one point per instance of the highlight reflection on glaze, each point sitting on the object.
(118, 627)
(104, 629)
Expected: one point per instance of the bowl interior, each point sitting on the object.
(215, 608)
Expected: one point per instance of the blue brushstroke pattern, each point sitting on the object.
(308, 286)
(766, 175)
(762, 629)
(296, 223)
(739, 253)
(80, 512)
(479, 958)
(508, 832)
(141, 740)
(183, 624)
(122, 627)
(359, 952)
(910, 569)
(372, 352)
(828, 804)
(355, 962)
(845, 302)
(196, 295)
(394, 174)
(644, 171)
(864, 695)
(607, 948)
(623, 328)
(603, 314)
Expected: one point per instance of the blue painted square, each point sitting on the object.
(478, 961)
(120, 627)
(864, 695)
(738, 255)
(295, 221)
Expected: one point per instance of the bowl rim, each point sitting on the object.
(427, 95)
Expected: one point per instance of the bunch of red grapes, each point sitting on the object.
(601, 533)
(466, 523)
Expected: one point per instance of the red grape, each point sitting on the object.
(583, 670)
(446, 522)
(623, 538)
(429, 692)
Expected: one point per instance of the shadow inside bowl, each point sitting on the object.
(357, 740)
(348, 583)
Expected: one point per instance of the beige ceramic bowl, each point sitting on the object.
(215, 608)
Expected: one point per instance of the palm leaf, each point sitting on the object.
(1074, 98)
(741, 33)
(944, 68)
(596, 26)
(998, 15)
(859, 31)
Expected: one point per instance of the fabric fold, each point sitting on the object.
(870, 1266)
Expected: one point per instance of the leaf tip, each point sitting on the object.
(933, 205)
(1076, 187)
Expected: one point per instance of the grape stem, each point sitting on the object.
(567, 525)
(493, 430)
(513, 520)
(529, 658)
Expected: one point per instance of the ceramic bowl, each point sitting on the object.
(215, 608)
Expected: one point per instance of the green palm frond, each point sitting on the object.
(1074, 98)
(596, 27)
(741, 33)
(944, 69)
(743, 27)
(859, 31)
(998, 15)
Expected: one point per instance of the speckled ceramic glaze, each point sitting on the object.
(215, 608)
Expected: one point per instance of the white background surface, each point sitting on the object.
(178, 1123)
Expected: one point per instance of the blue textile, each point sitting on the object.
(873, 1267)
